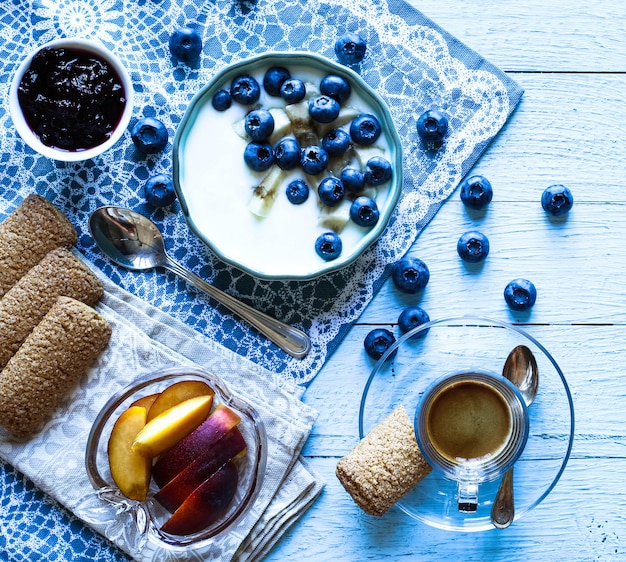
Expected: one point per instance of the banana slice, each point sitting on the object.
(364, 153)
(346, 115)
(338, 163)
(302, 124)
(264, 194)
(335, 218)
(282, 124)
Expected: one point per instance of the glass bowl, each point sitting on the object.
(96, 50)
(214, 185)
(463, 344)
(149, 515)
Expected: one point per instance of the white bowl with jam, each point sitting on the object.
(71, 99)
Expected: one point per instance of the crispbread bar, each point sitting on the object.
(28, 234)
(59, 273)
(49, 363)
(384, 465)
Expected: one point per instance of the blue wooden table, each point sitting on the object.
(570, 128)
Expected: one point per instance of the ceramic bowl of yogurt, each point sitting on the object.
(225, 201)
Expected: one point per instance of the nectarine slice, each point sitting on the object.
(177, 393)
(207, 503)
(168, 428)
(177, 490)
(146, 401)
(130, 470)
(218, 424)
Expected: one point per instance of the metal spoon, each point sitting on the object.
(134, 242)
(521, 369)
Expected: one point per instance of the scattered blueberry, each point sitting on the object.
(245, 90)
(185, 44)
(336, 142)
(259, 124)
(274, 78)
(337, 87)
(313, 160)
(287, 153)
(432, 126)
(557, 200)
(473, 246)
(378, 341)
(520, 294)
(350, 48)
(328, 246)
(476, 192)
(293, 90)
(221, 100)
(409, 275)
(297, 192)
(149, 135)
(159, 190)
(324, 109)
(412, 317)
(259, 156)
(364, 211)
(377, 171)
(365, 129)
(331, 191)
(352, 179)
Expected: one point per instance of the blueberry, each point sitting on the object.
(412, 317)
(259, 124)
(432, 126)
(337, 87)
(287, 153)
(377, 171)
(364, 211)
(274, 78)
(473, 246)
(328, 246)
(378, 341)
(324, 109)
(159, 191)
(185, 44)
(245, 90)
(336, 142)
(313, 160)
(149, 135)
(365, 129)
(409, 275)
(259, 156)
(297, 192)
(221, 100)
(476, 192)
(350, 48)
(557, 200)
(331, 191)
(352, 179)
(520, 294)
(293, 90)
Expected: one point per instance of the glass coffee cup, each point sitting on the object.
(471, 426)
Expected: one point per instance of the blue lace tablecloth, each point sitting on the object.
(411, 62)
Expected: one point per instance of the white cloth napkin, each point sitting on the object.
(145, 339)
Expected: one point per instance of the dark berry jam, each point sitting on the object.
(71, 99)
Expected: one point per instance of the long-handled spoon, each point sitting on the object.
(134, 242)
(521, 369)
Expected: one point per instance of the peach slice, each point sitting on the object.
(130, 471)
(231, 446)
(177, 393)
(168, 428)
(218, 424)
(146, 401)
(206, 504)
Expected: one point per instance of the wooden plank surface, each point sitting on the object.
(570, 128)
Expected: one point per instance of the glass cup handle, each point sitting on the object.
(467, 496)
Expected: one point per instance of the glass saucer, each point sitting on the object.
(443, 346)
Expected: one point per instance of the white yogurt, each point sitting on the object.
(217, 186)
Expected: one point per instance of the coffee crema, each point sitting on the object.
(468, 420)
